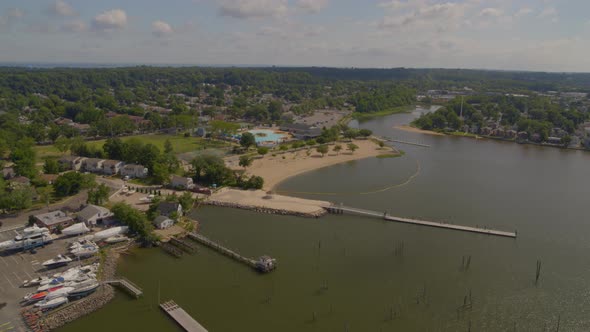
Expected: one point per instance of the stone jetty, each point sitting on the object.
(264, 202)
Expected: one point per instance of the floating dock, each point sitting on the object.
(127, 285)
(181, 317)
(263, 264)
(345, 209)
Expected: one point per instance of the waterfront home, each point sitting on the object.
(134, 171)
(486, 131)
(71, 162)
(180, 182)
(168, 209)
(92, 215)
(510, 133)
(93, 165)
(162, 222)
(536, 138)
(553, 140)
(53, 220)
(112, 167)
(523, 135)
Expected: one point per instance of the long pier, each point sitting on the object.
(345, 209)
(181, 317)
(126, 285)
(389, 139)
(263, 264)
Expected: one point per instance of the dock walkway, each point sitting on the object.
(342, 209)
(389, 139)
(264, 263)
(126, 285)
(181, 317)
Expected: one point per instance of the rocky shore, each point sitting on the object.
(314, 214)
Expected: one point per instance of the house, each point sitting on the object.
(134, 171)
(94, 214)
(536, 138)
(180, 182)
(112, 167)
(169, 208)
(71, 162)
(554, 140)
(523, 135)
(510, 133)
(19, 182)
(163, 222)
(93, 165)
(8, 173)
(54, 220)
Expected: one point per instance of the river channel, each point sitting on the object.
(349, 273)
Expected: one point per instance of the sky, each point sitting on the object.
(540, 35)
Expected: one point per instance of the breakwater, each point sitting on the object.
(263, 209)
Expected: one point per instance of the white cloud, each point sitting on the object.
(110, 20)
(61, 8)
(440, 16)
(549, 13)
(74, 27)
(491, 12)
(161, 29)
(523, 12)
(397, 4)
(10, 17)
(312, 6)
(253, 8)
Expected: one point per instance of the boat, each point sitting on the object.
(51, 303)
(58, 261)
(59, 281)
(76, 229)
(85, 250)
(33, 282)
(64, 291)
(116, 239)
(38, 296)
(110, 232)
(29, 238)
(84, 289)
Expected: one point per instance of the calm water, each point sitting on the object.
(343, 270)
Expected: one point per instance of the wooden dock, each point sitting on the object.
(345, 209)
(181, 317)
(264, 263)
(127, 285)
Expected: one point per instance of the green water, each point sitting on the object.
(341, 273)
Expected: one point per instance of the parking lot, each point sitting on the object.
(17, 267)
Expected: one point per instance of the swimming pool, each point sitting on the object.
(267, 136)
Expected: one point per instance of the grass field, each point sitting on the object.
(395, 110)
(180, 144)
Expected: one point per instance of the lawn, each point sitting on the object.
(394, 110)
(180, 144)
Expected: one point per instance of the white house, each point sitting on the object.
(112, 167)
(134, 171)
(71, 162)
(163, 222)
(94, 214)
(93, 165)
(180, 182)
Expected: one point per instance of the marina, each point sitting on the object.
(181, 317)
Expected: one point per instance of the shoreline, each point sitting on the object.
(282, 166)
(411, 129)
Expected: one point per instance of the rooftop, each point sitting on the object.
(52, 218)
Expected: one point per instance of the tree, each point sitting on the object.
(115, 148)
(17, 199)
(23, 157)
(311, 142)
(136, 221)
(365, 132)
(44, 194)
(351, 133)
(323, 149)
(51, 166)
(255, 182)
(211, 169)
(168, 149)
(566, 140)
(352, 147)
(247, 140)
(245, 161)
(71, 183)
(160, 173)
(98, 195)
(62, 144)
(262, 150)
(381, 144)
(187, 201)
(337, 148)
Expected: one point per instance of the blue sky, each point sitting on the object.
(547, 35)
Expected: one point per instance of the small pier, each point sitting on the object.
(263, 264)
(184, 245)
(389, 139)
(127, 285)
(181, 317)
(344, 209)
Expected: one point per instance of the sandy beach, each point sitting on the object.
(416, 130)
(282, 166)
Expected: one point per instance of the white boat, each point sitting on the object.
(51, 303)
(110, 232)
(58, 261)
(85, 250)
(76, 229)
(29, 238)
(64, 291)
(85, 289)
(33, 282)
(116, 239)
